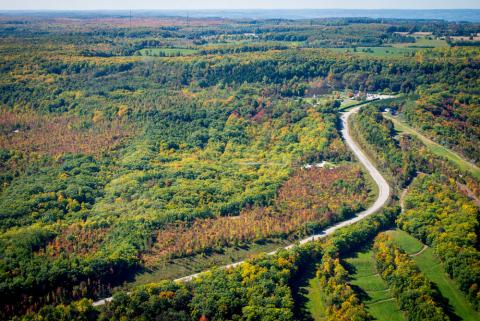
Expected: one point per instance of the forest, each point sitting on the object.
(131, 146)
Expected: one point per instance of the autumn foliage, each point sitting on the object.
(438, 214)
(56, 135)
(416, 294)
(309, 200)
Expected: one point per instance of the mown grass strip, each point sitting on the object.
(430, 265)
(316, 298)
(378, 299)
(436, 148)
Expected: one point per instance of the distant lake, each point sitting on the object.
(471, 15)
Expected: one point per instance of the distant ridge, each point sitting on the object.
(470, 15)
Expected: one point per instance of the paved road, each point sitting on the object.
(383, 187)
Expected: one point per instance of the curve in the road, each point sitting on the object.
(383, 188)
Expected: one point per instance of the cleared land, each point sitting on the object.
(397, 49)
(375, 292)
(406, 242)
(345, 101)
(423, 42)
(172, 269)
(430, 265)
(436, 148)
(316, 300)
(390, 52)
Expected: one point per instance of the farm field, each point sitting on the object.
(396, 50)
(423, 42)
(380, 52)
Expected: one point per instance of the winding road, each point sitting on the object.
(383, 188)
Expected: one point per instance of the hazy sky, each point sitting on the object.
(236, 4)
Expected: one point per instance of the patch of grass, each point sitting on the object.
(346, 101)
(386, 310)
(377, 51)
(398, 49)
(436, 148)
(423, 42)
(316, 301)
(406, 242)
(176, 268)
(228, 41)
(308, 294)
(431, 266)
(372, 288)
(371, 283)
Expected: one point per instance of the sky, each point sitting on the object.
(235, 4)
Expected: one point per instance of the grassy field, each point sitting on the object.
(431, 267)
(233, 41)
(436, 148)
(167, 52)
(377, 51)
(346, 101)
(374, 290)
(398, 49)
(315, 300)
(325, 98)
(176, 268)
(406, 242)
(423, 42)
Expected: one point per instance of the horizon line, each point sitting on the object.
(235, 9)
